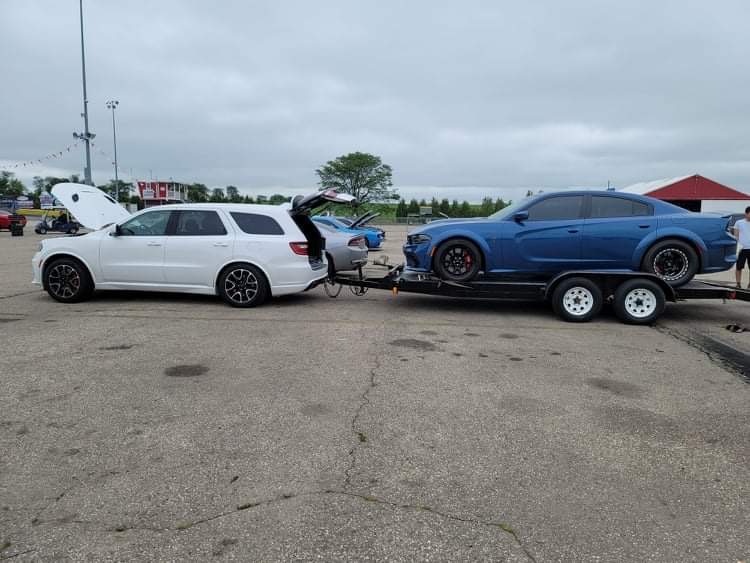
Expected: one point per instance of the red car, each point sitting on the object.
(6, 218)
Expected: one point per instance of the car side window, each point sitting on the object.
(256, 224)
(611, 206)
(557, 208)
(150, 223)
(196, 223)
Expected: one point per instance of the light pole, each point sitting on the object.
(86, 136)
(112, 104)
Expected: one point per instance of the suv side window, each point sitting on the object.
(196, 223)
(255, 224)
(148, 224)
(612, 206)
(558, 208)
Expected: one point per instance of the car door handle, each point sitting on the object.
(643, 226)
(572, 230)
(153, 244)
(221, 244)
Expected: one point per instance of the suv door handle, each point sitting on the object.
(572, 230)
(221, 244)
(643, 226)
(153, 244)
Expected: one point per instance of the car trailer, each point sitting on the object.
(575, 296)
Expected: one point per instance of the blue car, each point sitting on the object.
(549, 233)
(373, 238)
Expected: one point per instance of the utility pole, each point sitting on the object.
(112, 104)
(86, 136)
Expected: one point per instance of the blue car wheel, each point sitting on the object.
(457, 260)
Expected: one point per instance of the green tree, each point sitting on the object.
(487, 207)
(10, 185)
(435, 204)
(445, 207)
(465, 210)
(413, 208)
(248, 199)
(454, 208)
(359, 174)
(217, 195)
(261, 199)
(500, 204)
(124, 189)
(401, 208)
(233, 194)
(276, 199)
(198, 192)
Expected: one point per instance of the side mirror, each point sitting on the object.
(521, 216)
(116, 232)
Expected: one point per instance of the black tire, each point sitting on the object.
(243, 285)
(673, 260)
(41, 230)
(457, 260)
(67, 281)
(639, 301)
(73, 230)
(577, 300)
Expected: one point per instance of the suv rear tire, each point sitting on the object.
(243, 285)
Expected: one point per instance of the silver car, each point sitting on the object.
(343, 251)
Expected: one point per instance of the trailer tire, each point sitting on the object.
(639, 301)
(577, 300)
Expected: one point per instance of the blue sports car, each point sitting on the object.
(550, 233)
(373, 238)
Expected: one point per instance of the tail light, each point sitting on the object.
(300, 248)
(357, 241)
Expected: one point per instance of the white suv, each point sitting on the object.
(244, 253)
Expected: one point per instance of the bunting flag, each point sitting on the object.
(35, 161)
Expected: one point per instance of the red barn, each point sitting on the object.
(694, 192)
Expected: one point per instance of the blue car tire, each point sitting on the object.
(673, 260)
(457, 260)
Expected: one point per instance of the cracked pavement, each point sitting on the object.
(173, 428)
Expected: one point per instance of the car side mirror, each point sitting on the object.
(521, 216)
(116, 232)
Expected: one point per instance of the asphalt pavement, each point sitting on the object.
(410, 428)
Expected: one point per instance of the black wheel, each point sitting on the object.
(457, 260)
(243, 285)
(68, 281)
(577, 300)
(639, 302)
(674, 261)
(73, 230)
(41, 229)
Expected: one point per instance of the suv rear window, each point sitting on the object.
(255, 224)
(198, 223)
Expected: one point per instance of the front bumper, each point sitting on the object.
(418, 256)
(36, 269)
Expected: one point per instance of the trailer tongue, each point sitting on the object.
(576, 296)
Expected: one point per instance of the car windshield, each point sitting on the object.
(506, 212)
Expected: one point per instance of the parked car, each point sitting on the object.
(362, 221)
(343, 252)
(243, 253)
(372, 238)
(550, 233)
(60, 222)
(7, 217)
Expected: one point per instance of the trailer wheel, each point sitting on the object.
(577, 300)
(639, 301)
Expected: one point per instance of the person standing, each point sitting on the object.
(741, 231)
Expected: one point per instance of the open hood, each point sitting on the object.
(90, 206)
(303, 203)
(362, 220)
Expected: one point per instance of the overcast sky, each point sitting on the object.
(471, 97)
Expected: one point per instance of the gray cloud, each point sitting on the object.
(485, 94)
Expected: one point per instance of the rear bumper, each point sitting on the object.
(289, 289)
